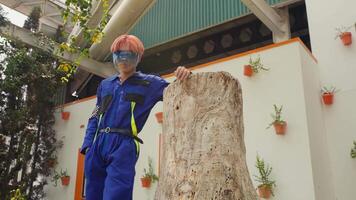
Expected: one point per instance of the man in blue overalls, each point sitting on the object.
(124, 102)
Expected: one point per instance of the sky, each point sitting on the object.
(14, 16)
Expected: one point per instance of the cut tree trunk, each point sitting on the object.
(203, 149)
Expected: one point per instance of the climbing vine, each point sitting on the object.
(79, 12)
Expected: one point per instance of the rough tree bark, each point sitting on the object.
(203, 149)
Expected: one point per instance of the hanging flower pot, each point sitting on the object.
(254, 66)
(344, 34)
(248, 70)
(327, 94)
(280, 127)
(328, 98)
(346, 38)
(65, 180)
(65, 115)
(146, 182)
(264, 191)
(149, 175)
(159, 117)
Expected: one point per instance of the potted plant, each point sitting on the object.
(65, 115)
(159, 117)
(63, 175)
(254, 66)
(327, 94)
(280, 125)
(266, 185)
(353, 151)
(344, 34)
(148, 176)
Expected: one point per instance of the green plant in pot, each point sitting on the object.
(63, 175)
(149, 176)
(254, 66)
(327, 94)
(279, 124)
(266, 185)
(353, 151)
(344, 34)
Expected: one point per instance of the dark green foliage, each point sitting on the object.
(32, 22)
(28, 82)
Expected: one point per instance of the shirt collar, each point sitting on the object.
(116, 76)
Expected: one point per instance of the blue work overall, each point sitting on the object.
(111, 156)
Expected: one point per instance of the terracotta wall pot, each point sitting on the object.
(65, 180)
(159, 117)
(328, 98)
(346, 38)
(248, 70)
(280, 127)
(146, 182)
(264, 192)
(65, 115)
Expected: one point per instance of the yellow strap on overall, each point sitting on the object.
(133, 126)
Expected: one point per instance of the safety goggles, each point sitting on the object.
(128, 57)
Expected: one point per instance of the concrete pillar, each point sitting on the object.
(203, 149)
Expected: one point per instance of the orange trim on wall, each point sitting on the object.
(221, 60)
(80, 178)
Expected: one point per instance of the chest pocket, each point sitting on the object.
(137, 90)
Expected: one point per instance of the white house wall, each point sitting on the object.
(291, 156)
(337, 66)
(322, 172)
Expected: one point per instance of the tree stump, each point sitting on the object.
(203, 149)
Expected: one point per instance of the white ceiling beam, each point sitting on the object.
(32, 3)
(17, 4)
(277, 23)
(17, 33)
(52, 14)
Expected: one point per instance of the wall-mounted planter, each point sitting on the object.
(248, 70)
(254, 66)
(267, 185)
(327, 94)
(65, 115)
(146, 182)
(280, 127)
(264, 191)
(346, 38)
(328, 98)
(65, 180)
(159, 117)
(278, 123)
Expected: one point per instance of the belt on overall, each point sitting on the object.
(121, 131)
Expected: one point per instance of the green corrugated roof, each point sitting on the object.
(170, 19)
